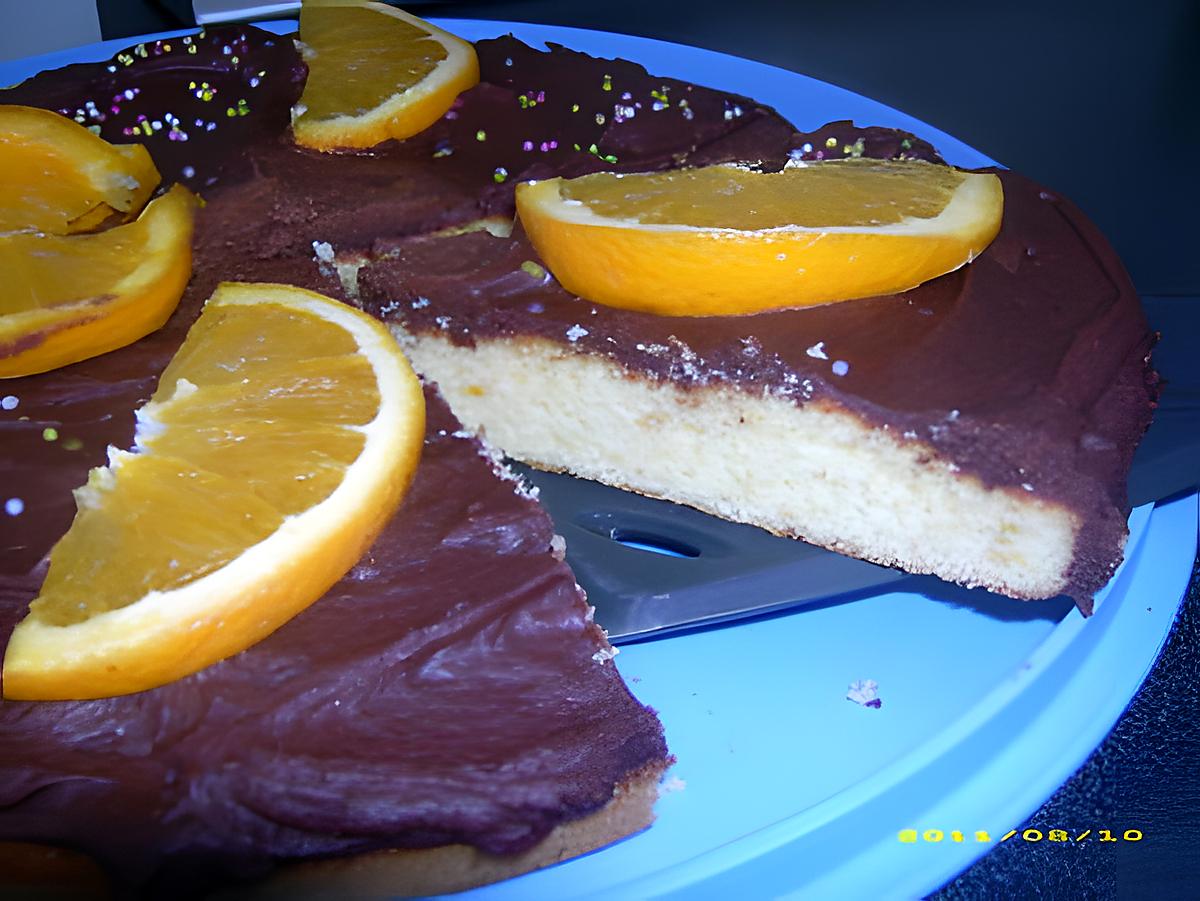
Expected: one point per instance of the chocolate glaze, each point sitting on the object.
(561, 112)
(1028, 368)
(520, 122)
(195, 101)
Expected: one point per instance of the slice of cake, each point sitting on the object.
(979, 427)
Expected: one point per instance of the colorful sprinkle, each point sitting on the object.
(14, 506)
(499, 175)
(9, 402)
(529, 267)
(595, 151)
(606, 85)
(481, 135)
(49, 434)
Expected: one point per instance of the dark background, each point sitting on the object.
(1097, 100)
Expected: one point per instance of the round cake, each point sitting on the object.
(979, 427)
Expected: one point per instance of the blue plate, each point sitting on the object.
(784, 787)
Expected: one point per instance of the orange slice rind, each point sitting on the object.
(375, 73)
(70, 297)
(724, 240)
(59, 178)
(208, 537)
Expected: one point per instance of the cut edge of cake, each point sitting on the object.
(817, 471)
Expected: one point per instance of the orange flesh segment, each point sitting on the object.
(58, 177)
(730, 197)
(70, 297)
(727, 241)
(359, 73)
(209, 483)
(280, 440)
(375, 73)
(48, 271)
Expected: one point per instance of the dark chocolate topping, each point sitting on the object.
(194, 101)
(561, 112)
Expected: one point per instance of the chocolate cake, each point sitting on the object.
(979, 427)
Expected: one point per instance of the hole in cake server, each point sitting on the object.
(655, 544)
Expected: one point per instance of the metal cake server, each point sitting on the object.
(705, 570)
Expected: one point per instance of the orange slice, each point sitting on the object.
(280, 440)
(722, 240)
(58, 177)
(374, 73)
(69, 297)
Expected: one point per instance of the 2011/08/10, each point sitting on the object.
(932, 836)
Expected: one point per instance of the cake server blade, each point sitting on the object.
(651, 566)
